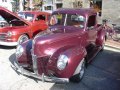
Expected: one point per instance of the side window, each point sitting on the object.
(91, 21)
(40, 17)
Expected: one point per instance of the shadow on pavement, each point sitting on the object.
(7, 47)
(103, 73)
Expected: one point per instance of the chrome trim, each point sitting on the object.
(42, 77)
(8, 43)
(34, 60)
(65, 22)
(65, 19)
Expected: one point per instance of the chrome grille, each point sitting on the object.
(42, 64)
(34, 60)
(3, 36)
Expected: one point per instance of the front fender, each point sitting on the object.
(75, 55)
(26, 57)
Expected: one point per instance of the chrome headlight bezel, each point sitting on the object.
(62, 62)
(19, 51)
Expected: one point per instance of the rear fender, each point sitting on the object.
(100, 37)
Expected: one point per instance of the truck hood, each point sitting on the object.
(54, 38)
(9, 16)
(54, 33)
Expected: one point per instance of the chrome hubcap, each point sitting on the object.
(82, 70)
(22, 39)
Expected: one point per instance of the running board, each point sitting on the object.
(93, 53)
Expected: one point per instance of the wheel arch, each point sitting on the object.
(36, 32)
(75, 55)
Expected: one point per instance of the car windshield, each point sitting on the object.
(72, 20)
(26, 16)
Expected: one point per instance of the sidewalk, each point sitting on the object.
(113, 44)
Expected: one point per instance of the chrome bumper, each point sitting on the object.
(42, 77)
(8, 43)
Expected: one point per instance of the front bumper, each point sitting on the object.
(8, 43)
(42, 77)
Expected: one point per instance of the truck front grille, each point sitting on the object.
(3, 36)
(34, 63)
(42, 64)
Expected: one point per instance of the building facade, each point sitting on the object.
(111, 10)
(6, 4)
(51, 5)
(106, 9)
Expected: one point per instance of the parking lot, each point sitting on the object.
(103, 73)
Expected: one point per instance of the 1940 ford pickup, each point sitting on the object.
(62, 52)
(17, 29)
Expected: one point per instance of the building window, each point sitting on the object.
(59, 5)
(48, 8)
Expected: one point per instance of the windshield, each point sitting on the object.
(72, 20)
(26, 16)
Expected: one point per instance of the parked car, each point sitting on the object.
(20, 29)
(61, 53)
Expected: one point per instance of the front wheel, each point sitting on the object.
(22, 38)
(77, 78)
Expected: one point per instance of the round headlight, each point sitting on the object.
(62, 62)
(9, 33)
(19, 51)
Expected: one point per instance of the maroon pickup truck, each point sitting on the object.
(18, 29)
(62, 52)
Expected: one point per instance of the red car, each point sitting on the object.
(20, 29)
(61, 53)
